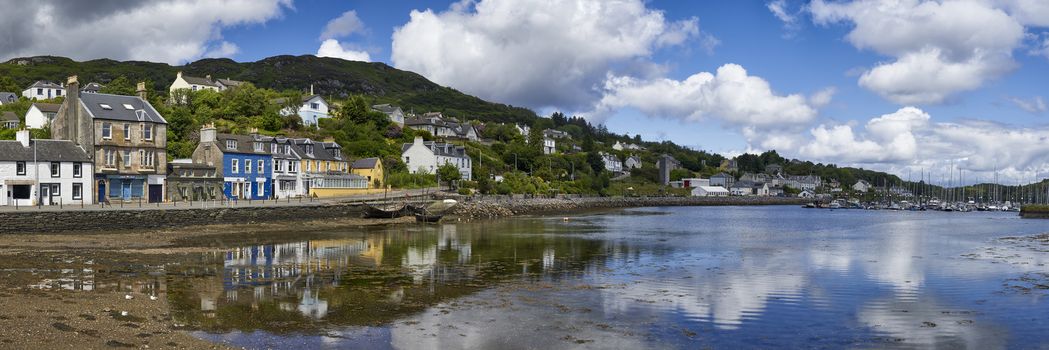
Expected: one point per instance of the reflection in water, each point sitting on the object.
(692, 277)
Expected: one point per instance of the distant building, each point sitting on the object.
(312, 109)
(612, 163)
(694, 182)
(774, 169)
(620, 146)
(803, 182)
(426, 156)
(44, 90)
(193, 83)
(372, 169)
(632, 162)
(524, 130)
(437, 125)
(9, 120)
(749, 188)
(40, 115)
(861, 186)
(188, 181)
(549, 145)
(666, 163)
(730, 165)
(709, 191)
(394, 113)
(7, 98)
(723, 180)
(92, 88)
(755, 177)
(45, 172)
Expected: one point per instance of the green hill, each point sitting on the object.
(331, 77)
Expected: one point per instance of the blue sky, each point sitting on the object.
(897, 86)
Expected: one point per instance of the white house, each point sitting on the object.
(806, 182)
(48, 172)
(749, 188)
(619, 146)
(396, 114)
(723, 180)
(40, 115)
(549, 145)
(313, 108)
(288, 180)
(612, 163)
(193, 83)
(44, 90)
(524, 130)
(861, 186)
(807, 194)
(426, 156)
(709, 191)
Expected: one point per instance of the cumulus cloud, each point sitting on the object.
(537, 53)
(1035, 105)
(731, 95)
(823, 97)
(346, 24)
(332, 48)
(162, 31)
(940, 47)
(223, 49)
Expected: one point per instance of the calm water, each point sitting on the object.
(719, 277)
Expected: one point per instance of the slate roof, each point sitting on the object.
(320, 150)
(365, 163)
(48, 107)
(198, 81)
(140, 110)
(245, 144)
(46, 151)
(226, 82)
(7, 97)
(45, 85)
(440, 149)
(9, 116)
(92, 88)
(437, 120)
(387, 108)
(280, 141)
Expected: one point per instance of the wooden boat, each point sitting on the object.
(420, 217)
(387, 212)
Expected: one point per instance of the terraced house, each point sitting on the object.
(287, 179)
(126, 139)
(246, 165)
(325, 171)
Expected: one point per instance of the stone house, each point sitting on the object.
(190, 182)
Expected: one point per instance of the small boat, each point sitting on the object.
(420, 217)
(809, 205)
(835, 205)
(387, 212)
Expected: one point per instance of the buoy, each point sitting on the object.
(129, 296)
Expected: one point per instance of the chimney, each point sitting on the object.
(207, 133)
(23, 137)
(254, 132)
(418, 140)
(329, 139)
(208, 77)
(311, 89)
(178, 74)
(141, 90)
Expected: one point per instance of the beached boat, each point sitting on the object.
(419, 217)
(387, 212)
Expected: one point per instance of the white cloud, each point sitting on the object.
(161, 31)
(332, 48)
(224, 49)
(730, 95)
(940, 47)
(823, 97)
(1041, 48)
(537, 53)
(790, 20)
(1034, 105)
(889, 138)
(346, 24)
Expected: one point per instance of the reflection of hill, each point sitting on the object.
(369, 280)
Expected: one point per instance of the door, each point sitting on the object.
(45, 194)
(125, 190)
(101, 191)
(156, 193)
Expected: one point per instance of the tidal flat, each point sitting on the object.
(663, 278)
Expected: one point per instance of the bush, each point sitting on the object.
(409, 180)
(465, 191)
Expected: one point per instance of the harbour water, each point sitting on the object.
(680, 277)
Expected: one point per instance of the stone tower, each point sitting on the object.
(72, 122)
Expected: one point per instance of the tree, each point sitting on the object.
(119, 86)
(595, 161)
(449, 173)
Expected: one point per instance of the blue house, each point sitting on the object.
(246, 165)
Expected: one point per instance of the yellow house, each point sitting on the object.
(370, 168)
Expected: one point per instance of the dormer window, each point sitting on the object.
(258, 147)
(105, 106)
(231, 144)
(273, 148)
(309, 150)
(337, 152)
(287, 149)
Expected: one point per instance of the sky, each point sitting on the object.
(905, 86)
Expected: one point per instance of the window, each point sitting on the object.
(293, 166)
(235, 167)
(337, 152)
(407, 159)
(258, 147)
(58, 92)
(273, 148)
(147, 132)
(277, 165)
(262, 164)
(309, 165)
(78, 191)
(105, 106)
(39, 91)
(111, 158)
(315, 105)
(127, 131)
(127, 158)
(287, 149)
(309, 150)
(247, 166)
(231, 144)
(107, 131)
(56, 169)
(77, 170)
(128, 107)
(20, 168)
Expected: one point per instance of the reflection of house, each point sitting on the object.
(188, 181)
(49, 172)
(40, 115)
(394, 113)
(126, 138)
(426, 157)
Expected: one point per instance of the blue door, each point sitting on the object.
(101, 191)
(125, 190)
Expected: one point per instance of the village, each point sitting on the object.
(105, 149)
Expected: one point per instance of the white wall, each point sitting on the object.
(8, 170)
(419, 157)
(35, 119)
(47, 93)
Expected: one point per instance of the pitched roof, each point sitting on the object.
(9, 116)
(48, 107)
(46, 151)
(92, 87)
(199, 81)
(440, 149)
(245, 144)
(227, 82)
(365, 163)
(321, 150)
(8, 97)
(140, 110)
(387, 108)
(281, 142)
(45, 84)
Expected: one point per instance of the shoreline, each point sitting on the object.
(117, 220)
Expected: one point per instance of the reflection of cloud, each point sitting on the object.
(927, 324)
(837, 260)
(895, 261)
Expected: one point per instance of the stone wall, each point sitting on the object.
(71, 221)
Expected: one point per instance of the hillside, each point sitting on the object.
(330, 77)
